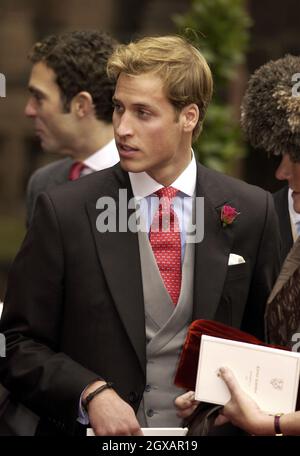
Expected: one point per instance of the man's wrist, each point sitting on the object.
(95, 389)
(91, 387)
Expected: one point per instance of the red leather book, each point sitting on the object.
(187, 368)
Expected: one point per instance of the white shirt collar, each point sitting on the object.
(143, 185)
(104, 158)
(295, 216)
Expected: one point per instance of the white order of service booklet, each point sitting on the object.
(269, 375)
(154, 432)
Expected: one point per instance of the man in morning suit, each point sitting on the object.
(71, 106)
(96, 323)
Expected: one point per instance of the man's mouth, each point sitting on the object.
(38, 132)
(126, 148)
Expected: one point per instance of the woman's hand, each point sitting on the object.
(241, 410)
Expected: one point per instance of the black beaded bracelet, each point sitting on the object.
(87, 400)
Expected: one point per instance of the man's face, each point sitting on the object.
(54, 127)
(150, 134)
(290, 171)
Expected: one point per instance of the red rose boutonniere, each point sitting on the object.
(228, 215)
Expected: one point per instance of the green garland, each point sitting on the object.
(219, 28)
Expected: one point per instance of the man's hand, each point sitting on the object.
(186, 404)
(110, 415)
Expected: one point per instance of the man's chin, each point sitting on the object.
(45, 146)
(130, 166)
(48, 148)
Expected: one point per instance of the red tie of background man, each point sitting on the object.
(165, 242)
(76, 169)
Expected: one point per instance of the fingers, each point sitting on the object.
(220, 420)
(228, 377)
(187, 412)
(186, 404)
(185, 400)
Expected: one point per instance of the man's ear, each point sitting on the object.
(82, 104)
(190, 117)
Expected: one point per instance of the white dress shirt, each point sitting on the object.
(144, 187)
(104, 158)
(294, 216)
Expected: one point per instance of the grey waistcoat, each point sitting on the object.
(166, 328)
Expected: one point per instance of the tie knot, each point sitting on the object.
(167, 192)
(76, 169)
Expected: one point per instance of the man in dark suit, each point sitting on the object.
(70, 104)
(91, 301)
(270, 120)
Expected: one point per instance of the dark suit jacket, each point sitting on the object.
(74, 307)
(282, 209)
(14, 418)
(44, 179)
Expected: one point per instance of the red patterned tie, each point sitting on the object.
(165, 242)
(76, 169)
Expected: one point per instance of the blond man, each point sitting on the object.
(100, 313)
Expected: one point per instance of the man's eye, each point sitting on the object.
(143, 114)
(117, 107)
(38, 97)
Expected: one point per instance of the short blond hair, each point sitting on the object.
(182, 68)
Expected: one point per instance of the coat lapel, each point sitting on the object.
(120, 259)
(211, 255)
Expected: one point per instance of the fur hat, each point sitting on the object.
(270, 112)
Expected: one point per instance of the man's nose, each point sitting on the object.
(283, 171)
(123, 125)
(30, 110)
